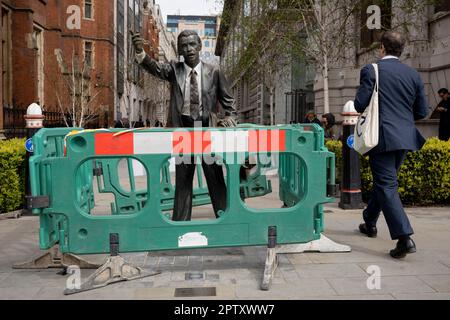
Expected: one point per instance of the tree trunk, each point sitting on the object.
(271, 98)
(326, 93)
(262, 104)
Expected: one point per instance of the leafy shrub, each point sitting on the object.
(424, 177)
(12, 174)
(336, 148)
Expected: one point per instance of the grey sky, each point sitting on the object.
(189, 7)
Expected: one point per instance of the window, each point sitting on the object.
(206, 44)
(136, 7)
(367, 36)
(120, 72)
(130, 15)
(6, 57)
(137, 16)
(120, 17)
(38, 43)
(247, 8)
(89, 54)
(120, 45)
(89, 9)
(210, 32)
(441, 6)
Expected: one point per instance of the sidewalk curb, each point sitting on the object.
(11, 215)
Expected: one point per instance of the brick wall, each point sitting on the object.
(51, 17)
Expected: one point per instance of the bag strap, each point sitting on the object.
(375, 67)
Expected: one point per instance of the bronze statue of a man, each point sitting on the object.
(197, 89)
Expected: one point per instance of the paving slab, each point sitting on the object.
(305, 288)
(236, 272)
(342, 270)
(422, 296)
(358, 297)
(388, 285)
(18, 293)
(440, 283)
(405, 267)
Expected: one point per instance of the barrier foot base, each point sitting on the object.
(53, 258)
(12, 215)
(270, 267)
(323, 244)
(115, 269)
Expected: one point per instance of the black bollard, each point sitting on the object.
(272, 237)
(34, 122)
(351, 196)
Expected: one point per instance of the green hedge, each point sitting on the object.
(12, 174)
(424, 177)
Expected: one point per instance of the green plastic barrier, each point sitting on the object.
(306, 171)
(132, 201)
(49, 146)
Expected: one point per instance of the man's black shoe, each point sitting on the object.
(404, 246)
(371, 232)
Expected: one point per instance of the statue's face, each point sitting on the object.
(190, 48)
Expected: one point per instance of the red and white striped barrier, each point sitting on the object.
(188, 142)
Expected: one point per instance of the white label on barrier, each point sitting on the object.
(192, 239)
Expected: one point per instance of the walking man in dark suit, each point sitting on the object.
(196, 90)
(401, 102)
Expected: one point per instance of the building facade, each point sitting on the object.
(167, 39)
(427, 50)
(301, 86)
(60, 52)
(136, 94)
(41, 41)
(294, 81)
(207, 28)
(167, 53)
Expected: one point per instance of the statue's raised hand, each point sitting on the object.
(138, 42)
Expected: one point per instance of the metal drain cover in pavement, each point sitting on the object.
(196, 292)
(193, 276)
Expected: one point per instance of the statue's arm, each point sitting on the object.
(225, 97)
(163, 71)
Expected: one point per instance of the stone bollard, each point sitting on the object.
(351, 197)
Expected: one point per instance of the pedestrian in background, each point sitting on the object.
(311, 117)
(329, 126)
(401, 101)
(443, 108)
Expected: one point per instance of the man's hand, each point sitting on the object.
(440, 109)
(138, 42)
(228, 122)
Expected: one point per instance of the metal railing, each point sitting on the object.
(14, 122)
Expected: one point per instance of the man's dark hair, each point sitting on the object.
(393, 42)
(443, 91)
(187, 33)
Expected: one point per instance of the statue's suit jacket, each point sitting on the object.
(215, 90)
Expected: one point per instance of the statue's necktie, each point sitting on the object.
(195, 100)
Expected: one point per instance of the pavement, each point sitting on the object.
(236, 273)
